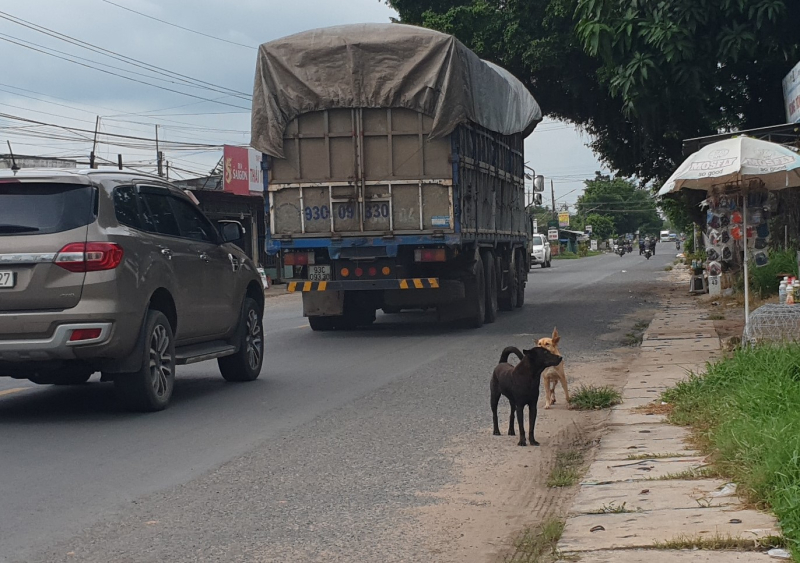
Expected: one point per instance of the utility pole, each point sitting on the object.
(553, 195)
(159, 156)
(94, 143)
(14, 166)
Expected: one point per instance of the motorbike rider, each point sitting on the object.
(653, 246)
(641, 246)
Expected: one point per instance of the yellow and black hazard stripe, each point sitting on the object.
(345, 285)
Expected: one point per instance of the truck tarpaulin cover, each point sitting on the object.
(383, 65)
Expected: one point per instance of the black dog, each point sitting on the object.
(520, 385)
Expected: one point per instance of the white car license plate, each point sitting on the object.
(7, 279)
(319, 273)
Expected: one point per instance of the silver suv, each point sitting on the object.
(121, 273)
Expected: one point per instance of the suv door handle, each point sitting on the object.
(167, 252)
(204, 257)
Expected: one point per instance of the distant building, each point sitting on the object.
(24, 161)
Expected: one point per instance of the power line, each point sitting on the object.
(123, 58)
(179, 26)
(120, 75)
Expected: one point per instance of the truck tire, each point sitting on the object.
(321, 324)
(507, 299)
(490, 284)
(150, 388)
(475, 292)
(245, 364)
(521, 275)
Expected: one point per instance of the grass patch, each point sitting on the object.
(566, 256)
(746, 412)
(590, 397)
(567, 470)
(633, 457)
(613, 508)
(716, 317)
(633, 339)
(654, 408)
(537, 545)
(706, 472)
(667, 268)
(720, 542)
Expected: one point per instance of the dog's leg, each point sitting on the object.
(532, 422)
(521, 422)
(564, 385)
(546, 393)
(495, 401)
(511, 420)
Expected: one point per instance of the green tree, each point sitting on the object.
(638, 75)
(603, 226)
(629, 207)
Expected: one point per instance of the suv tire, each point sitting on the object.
(245, 364)
(150, 388)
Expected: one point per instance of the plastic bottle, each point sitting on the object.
(796, 291)
(790, 294)
(782, 291)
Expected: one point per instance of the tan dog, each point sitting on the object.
(552, 375)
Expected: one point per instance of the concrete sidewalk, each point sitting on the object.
(632, 498)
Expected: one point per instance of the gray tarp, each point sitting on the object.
(383, 65)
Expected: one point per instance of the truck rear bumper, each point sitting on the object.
(364, 285)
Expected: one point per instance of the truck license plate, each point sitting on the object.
(319, 273)
(7, 279)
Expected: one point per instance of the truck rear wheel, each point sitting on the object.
(507, 299)
(322, 323)
(522, 273)
(475, 291)
(490, 284)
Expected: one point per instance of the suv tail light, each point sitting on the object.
(89, 256)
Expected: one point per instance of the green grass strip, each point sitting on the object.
(746, 411)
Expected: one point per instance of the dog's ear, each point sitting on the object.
(556, 337)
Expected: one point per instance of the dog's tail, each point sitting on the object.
(507, 352)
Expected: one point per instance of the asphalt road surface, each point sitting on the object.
(319, 458)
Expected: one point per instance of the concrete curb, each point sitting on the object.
(628, 502)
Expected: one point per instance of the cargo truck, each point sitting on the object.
(395, 174)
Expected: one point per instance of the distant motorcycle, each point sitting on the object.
(621, 250)
(647, 253)
(677, 245)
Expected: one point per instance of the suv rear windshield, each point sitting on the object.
(43, 208)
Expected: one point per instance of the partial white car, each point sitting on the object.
(540, 251)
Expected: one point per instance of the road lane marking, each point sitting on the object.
(15, 390)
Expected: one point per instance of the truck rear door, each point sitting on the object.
(367, 171)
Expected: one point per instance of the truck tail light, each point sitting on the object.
(359, 272)
(429, 255)
(89, 256)
(299, 259)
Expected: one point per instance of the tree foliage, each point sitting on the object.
(638, 75)
(629, 207)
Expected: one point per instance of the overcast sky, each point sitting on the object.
(46, 88)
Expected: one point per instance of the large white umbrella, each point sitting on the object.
(736, 161)
(739, 161)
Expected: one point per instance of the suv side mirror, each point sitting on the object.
(231, 230)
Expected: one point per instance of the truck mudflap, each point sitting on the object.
(361, 285)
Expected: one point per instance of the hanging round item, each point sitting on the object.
(714, 268)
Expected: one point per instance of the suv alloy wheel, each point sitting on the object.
(150, 388)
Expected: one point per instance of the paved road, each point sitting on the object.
(315, 459)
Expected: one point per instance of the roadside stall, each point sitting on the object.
(740, 176)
